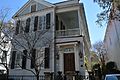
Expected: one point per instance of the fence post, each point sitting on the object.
(51, 76)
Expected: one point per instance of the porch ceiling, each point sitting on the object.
(70, 19)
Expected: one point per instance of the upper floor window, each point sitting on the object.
(33, 8)
(27, 25)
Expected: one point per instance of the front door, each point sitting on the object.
(69, 63)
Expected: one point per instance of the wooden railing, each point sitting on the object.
(68, 32)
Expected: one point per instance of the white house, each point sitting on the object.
(64, 37)
(112, 38)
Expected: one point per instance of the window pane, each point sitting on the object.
(33, 8)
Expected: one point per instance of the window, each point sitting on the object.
(48, 18)
(13, 59)
(33, 52)
(18, 60)
(17, 27)
(24, 59)
(33, 8)
(27, 25)
(47, 57)
(36, 23)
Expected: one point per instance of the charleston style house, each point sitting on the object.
(63, 39)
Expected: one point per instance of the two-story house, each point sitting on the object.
(66, 29)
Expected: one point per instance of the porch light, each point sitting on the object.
(80, 54)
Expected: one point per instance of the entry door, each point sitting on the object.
(69, 62)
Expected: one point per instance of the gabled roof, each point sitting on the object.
(43, 2)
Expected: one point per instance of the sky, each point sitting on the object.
(91, 9)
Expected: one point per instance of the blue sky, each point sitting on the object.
(91, 10)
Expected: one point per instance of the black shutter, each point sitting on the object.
(36, 23)
(48, 18)
(24, 59)
(47, 57)
(57, 23)
(13, 59)
(27, 25)
(33, 52)
(17, 27)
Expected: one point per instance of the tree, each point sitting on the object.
(4, 41)
(101, 52)
(111, 10)
(29, 45)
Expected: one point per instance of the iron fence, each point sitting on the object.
(25, 77)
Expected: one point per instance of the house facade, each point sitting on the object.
(112, 35)
(112, 42)
(63, 36)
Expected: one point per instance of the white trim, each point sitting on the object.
(44, 3)
(63, 44)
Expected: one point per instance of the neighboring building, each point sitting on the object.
(67, 28)
(112, 37)
(5, 46)
(112, 41)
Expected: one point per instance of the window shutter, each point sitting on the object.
(57, 23)
(17, 27)
(24, 59)
(33, 8)
(27, 25)
(48, 20)
(40, 22)
(36, 23)
(47, 57)
(13, 59)
(33, 58)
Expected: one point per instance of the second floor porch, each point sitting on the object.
(68, 33)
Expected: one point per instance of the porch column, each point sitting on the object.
(61, 63)
(77, 64)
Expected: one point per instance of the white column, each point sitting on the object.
(61, 66)
(61, 63)
(76, 52)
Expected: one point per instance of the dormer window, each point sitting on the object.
(33, 8)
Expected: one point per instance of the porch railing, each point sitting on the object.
(68, 32)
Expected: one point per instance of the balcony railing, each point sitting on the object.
(68, 32)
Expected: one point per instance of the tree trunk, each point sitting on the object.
(7, 74)
(37, 76)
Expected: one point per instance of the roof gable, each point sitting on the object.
(26, 8)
